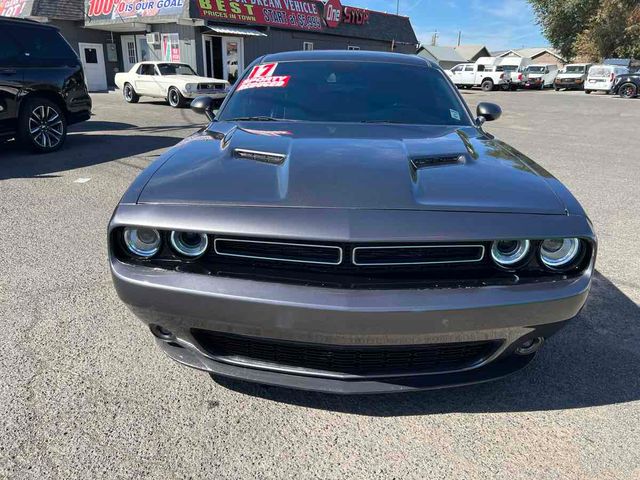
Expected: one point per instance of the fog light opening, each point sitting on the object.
(161, 332)
(530, 346)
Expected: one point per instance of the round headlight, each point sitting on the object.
(189, 244)
(142, 242)
(509, 252)
(559, 252)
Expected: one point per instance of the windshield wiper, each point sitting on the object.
(257, 118)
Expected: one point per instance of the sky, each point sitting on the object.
(498, 24)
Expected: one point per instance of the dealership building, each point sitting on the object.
(217, 38)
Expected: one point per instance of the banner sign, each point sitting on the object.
(125, 9)
(295, 14)
(14, 8)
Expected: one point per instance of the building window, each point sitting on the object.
(307, 45)
(353, 47)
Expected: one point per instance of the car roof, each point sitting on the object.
(25, 21)
(346, 55)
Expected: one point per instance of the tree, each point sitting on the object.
(562, 21)
(592, 29)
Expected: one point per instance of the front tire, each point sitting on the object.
(587, 92)
(175, 98)
(487, 85)
(129, 94)
(628, 90)
(42, 125)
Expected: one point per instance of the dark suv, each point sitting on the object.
(42, 85)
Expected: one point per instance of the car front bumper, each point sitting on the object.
(181, 302)
(218, 94)
(569, 85)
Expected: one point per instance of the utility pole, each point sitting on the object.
(459, 36)
(434, 39)
(397, 7)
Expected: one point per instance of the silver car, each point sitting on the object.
(345, 224)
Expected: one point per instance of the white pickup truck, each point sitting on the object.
(175, 82)
(482, 73)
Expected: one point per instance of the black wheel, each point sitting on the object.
(587, 92)
(556, 89)
(129, 94)
(175, 98)
(505, 87)
(487, 85)
(628, 90)
(42, 125)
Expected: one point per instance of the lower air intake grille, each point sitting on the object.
(360, 360)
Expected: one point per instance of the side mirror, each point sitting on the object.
(487, 112)
(204, 106)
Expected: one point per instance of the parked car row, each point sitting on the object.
(513, 73)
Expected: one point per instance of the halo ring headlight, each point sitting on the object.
(142, 242)
(189, 244)
(507, 253)
(559, 252)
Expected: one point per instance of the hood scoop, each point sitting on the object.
(258, 156)
(419, 163)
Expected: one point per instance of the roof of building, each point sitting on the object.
(529, 52)
(381, 26)
(441, 54)
(468, 52)
(354, 55)
(58, 9)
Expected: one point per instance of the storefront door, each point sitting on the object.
(92, 57)
(223, 57)
(134, 49)
(232, 58)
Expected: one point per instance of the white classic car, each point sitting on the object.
(175, 82)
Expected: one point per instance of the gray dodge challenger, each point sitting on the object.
(345, 224)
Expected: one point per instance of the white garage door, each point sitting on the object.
(92, 57)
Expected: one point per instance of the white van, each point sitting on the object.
(572, 76)
(514, 69)
(541, 76)
(602, 77)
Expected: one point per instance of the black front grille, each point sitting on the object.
(351, 360)
(278, 251)
(417, 255)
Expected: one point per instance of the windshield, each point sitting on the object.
(574, 69)
(175, 69)
(338, 91)
(506, 68)
(535, 69)
(600, 71)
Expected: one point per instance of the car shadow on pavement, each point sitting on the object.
(80, 150)
(594, 361)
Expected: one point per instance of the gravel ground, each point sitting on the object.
(86, 394)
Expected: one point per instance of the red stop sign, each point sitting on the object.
(332, 13)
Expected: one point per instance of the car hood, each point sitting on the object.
(351, 166)
(194, 79)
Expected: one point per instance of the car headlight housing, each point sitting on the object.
(189, 244)
(142, 242)
(190, 88)
(559, 253)
(509, 253)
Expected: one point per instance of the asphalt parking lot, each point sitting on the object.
(85, 393)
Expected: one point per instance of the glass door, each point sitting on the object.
(232, 58)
